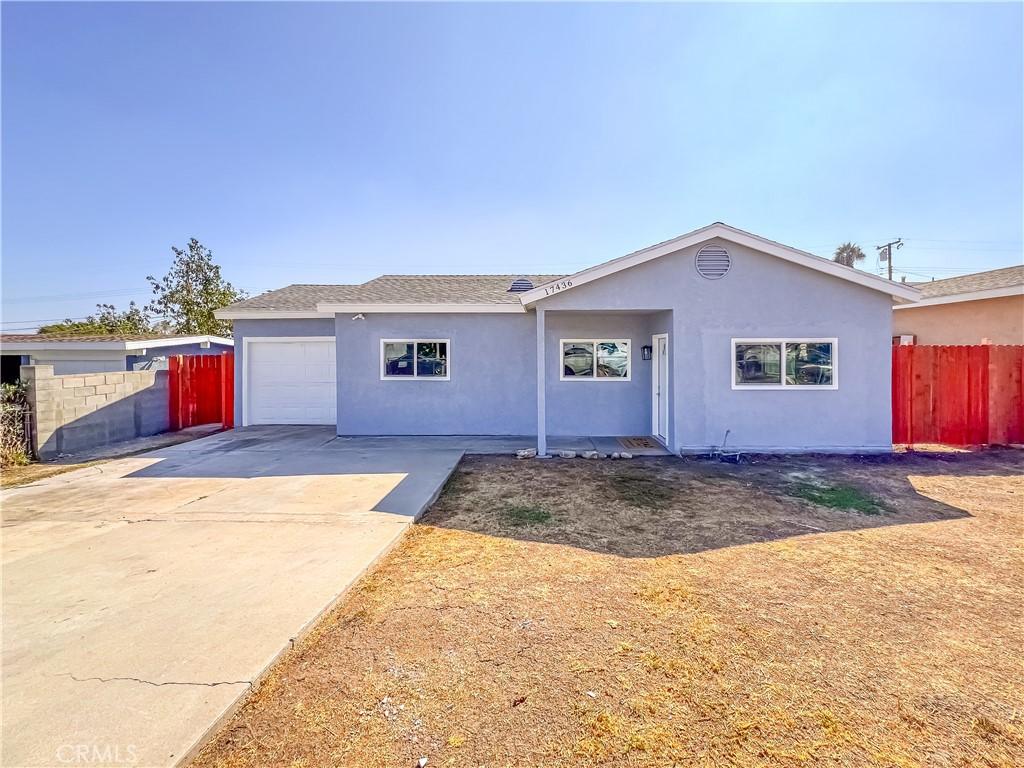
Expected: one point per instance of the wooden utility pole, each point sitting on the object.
(885, 252)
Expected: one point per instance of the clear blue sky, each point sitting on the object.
(334, 142)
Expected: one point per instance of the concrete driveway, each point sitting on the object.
(142, 597)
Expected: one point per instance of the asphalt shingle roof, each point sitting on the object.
(31, 338)
(396, 289)
(979, 281)
(296, 297)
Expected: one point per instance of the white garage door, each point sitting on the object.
(290, 381)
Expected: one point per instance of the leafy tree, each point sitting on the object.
(848, 254)
(107, 320)
(188, 295)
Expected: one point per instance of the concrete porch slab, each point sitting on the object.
(470, 444)
(323, 439)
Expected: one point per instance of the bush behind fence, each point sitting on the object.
(14, 430)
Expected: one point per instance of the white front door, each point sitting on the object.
(289, 381)
(659, 387)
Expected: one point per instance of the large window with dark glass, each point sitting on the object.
(414, 359)
(784, 363)
(595, 359)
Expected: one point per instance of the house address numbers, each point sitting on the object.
(556, 287)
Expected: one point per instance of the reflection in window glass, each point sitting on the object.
(809, 363)
(578, 358)
(613, 359)
(431, 358)
(758, 363)
(398, 359)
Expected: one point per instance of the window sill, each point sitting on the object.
(786, 387)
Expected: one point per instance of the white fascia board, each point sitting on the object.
(32, 346)
(332, 309)
(115, 346)
(898, 291)
(269, 314)
(154, 343)
(991, 293)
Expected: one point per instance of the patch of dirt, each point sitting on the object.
(718, 621)
(11, 477)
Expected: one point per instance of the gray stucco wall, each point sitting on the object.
(762, 296)
(595, 406)
(493, 360)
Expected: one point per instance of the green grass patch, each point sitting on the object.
(526, 514)
(640, 490)
(844, 497)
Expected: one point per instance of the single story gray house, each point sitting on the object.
(93, 354)
(715, 330)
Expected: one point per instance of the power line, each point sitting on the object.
(939, 240)
(117, 292)
(44, 320)
(91, 294)
(962, 249)
(35, 327)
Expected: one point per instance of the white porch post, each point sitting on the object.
(542, 438)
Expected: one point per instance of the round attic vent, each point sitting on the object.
(713, 262)
(521, 285)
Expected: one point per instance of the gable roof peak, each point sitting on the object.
(900, 292)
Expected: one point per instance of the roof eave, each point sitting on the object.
(332, 308)
(899, 292)
(955, 298)
(268, 314)
(113, 346)
(97, 346)
(174, 342)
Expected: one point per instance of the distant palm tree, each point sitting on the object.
(848, 254)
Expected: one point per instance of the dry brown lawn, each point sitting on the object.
(663, 612)
(23, 474)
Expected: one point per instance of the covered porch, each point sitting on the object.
(604, 373)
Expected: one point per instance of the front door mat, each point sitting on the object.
(639, 443)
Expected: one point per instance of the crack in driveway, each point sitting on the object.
(151, 682)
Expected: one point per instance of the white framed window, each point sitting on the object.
(796, 364)
(595, 359)
(415, 359)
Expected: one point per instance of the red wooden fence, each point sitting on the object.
(958, 395)
(202, 390)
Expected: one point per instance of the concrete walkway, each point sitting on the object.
(143, 596)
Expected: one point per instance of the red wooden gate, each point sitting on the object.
(958, 395)
(202, 390)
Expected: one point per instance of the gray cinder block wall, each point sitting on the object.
(77, 412)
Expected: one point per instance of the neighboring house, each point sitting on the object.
(983, 308)
(89, 354)
(715, 330)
